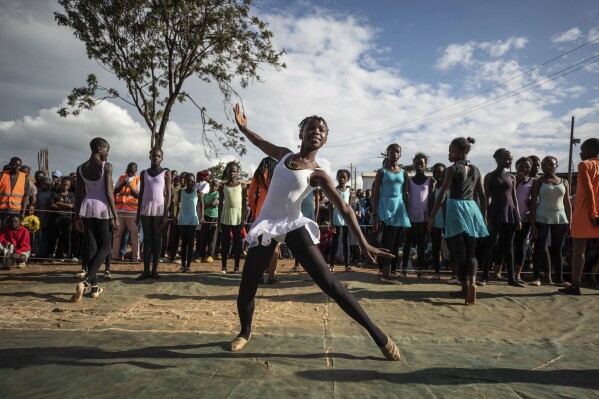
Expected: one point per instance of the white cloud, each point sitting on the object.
(593, 33)
(567, 36)
(464, 54)
(333, 72)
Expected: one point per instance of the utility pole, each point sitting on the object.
(573, 141)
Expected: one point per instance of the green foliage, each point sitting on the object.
(217, 171)
(155, 46)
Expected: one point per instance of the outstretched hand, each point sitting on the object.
(240, 118)
(372, 252)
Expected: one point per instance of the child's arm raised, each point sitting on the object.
(321, 179)
(266, 146)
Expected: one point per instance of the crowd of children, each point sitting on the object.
(507, 218)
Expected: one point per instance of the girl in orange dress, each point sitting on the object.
(585, 218)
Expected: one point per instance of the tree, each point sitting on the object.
(217, 171)
(155, 46)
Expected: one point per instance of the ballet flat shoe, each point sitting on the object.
(390, 350)
(238, 343)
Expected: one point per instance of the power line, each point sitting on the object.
(484, 104)
(474, 95)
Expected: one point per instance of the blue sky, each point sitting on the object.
(364, 66)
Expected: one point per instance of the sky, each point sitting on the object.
(417, 73)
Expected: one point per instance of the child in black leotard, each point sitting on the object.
(502, 216)
(296, 175)
(464, 221)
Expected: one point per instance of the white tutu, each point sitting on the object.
(278, 228)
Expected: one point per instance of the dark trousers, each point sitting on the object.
(207, 242)
(310, 257)
(463, 247)
(152, 241)
(416, 233)
(520, 243)
(436, 238)
(187, 234)
(60, 232)
(500, 239)
(391, 239)
(227, 231)
(98, 245)
(338, 230)
(558, 232)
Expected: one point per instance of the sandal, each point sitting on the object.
(238, 343)
(390, 350)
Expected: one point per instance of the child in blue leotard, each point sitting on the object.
(389, 207)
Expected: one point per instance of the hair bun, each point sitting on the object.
(470, 140)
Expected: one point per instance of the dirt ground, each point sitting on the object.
(169, 338)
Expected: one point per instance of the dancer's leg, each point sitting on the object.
(300, 243)
(225, 239)
(99, 241)
(558, 232)
(506, 247)
(253, 268)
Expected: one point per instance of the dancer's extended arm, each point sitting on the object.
(321, 179)
(266, 146)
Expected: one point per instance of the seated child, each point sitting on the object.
(15, 247)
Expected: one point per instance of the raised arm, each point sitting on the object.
(321, 179)
(266, 146)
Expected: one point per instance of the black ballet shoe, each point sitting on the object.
(143, 276)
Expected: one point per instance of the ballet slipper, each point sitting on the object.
(76, 298)
(238, 343)
(471, 296)
(390, 350)
(96, 291)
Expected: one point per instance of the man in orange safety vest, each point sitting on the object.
(126, 194)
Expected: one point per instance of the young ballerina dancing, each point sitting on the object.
(421, 201)
(585, 218)
(94, 211)
(281, 220)
(464, 222)
(152, 213)
(502, 216)
(389, 198)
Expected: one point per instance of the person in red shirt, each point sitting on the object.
(15, 246)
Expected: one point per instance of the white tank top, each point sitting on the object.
(281, 212)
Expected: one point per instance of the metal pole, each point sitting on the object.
(570, 154)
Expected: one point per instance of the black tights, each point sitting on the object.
(436, 237)
(463, 247)
(558, 232)
(187, 234)
(501, 237)
(338, 230)
(226, 244)
(152, 241)
(520, 244)
(98, 240)
(391, 239)
(418, 232)
(310, 257)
